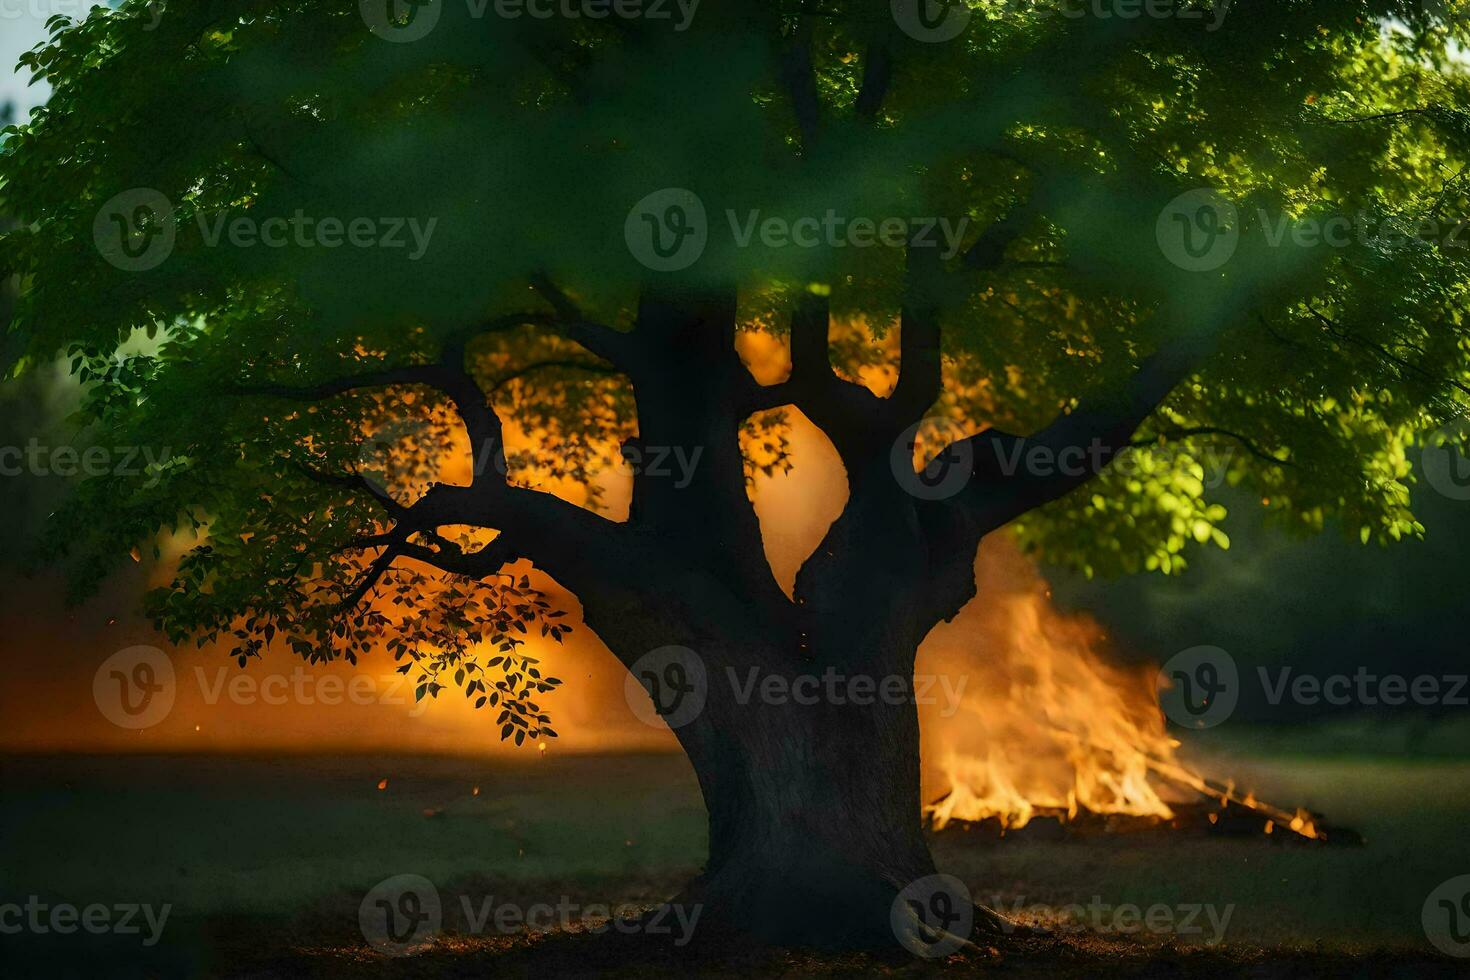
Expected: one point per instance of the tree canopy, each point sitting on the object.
(303, 245)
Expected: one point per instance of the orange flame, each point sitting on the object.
(1046, 723)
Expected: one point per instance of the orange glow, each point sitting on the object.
(1044, 721)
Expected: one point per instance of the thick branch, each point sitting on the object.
(566, 364)
(845, 411)
(1013, 474)
(449, 557)
(877, 75)
(988, 252)
(611, 345)
(561, 537)
(799, 75)
(689, 474)
(919, 340)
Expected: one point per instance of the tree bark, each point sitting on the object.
(811, 780)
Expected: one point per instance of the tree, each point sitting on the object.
(606, 210)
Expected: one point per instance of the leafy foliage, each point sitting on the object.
(526, 142)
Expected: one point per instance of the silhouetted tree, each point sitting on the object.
(589, 278)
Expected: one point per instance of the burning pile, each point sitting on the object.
(1048, 731)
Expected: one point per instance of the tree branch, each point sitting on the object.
(920, 368)
(351, 481)
(617, 348)
(988, 251)
(845, 411)
(799, 75)
(562, 363)
(877, 75)
(1013, 475)
(1211, 430)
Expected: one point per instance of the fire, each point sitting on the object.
(1046, 723)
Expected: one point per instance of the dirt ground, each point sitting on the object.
(264, 863)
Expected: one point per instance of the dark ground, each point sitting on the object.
(265, 861)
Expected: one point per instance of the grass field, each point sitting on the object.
(264, 861)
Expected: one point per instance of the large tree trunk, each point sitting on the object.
(807, 743)
(813, 800)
